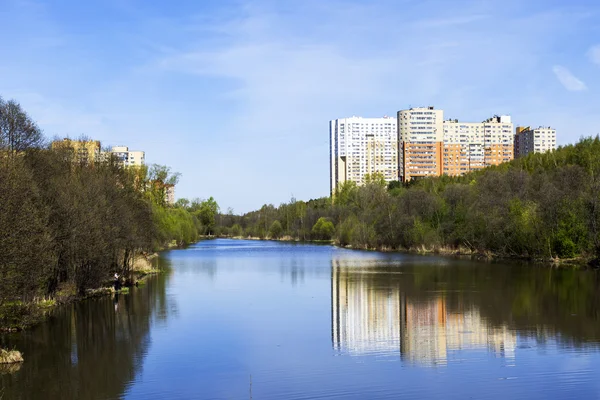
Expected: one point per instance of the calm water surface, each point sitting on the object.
(265, 320)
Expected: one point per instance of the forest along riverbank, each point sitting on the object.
(72, 216)
(543, 207)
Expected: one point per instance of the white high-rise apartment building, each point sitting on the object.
(421, 136)
(361, 146)
(538, 140)
(128, 158)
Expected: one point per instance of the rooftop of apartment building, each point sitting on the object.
(529, 128)
(494, 119)
(498, 119)
(358, 117)
(422, 108)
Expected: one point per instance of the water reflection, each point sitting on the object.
(89, 350)
(427, 314)
(430, 332)
(273, 311)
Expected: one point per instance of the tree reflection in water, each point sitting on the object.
(92, 349)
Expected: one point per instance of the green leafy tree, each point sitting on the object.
(236, 230)
(207, 211)
(275, 230)
(323, 229)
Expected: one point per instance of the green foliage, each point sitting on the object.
(174, 224)
(206, 211)
(345, 195)
(67, 223)
(275, 230)
(376, 178)
(394, 185)
(345, 233)
(236, 230)
(323, 229)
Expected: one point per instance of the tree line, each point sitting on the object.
(67, 224)
(541, 206)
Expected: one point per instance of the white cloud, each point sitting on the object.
(594, 54)
(568, 80)
(446, 22)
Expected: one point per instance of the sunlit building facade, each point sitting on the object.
(362, 146)
(128, 158)
(470, 146)
(536, 140)
(420, 142)
(83, 151)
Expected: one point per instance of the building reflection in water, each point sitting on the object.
(380, 312)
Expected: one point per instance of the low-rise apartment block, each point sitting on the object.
(128, 158)
(537, 140)
(83, 151)
(362, 146)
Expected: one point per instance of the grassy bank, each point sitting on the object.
(578, 262)
(279, 239)
(18, 315)
(458, 251)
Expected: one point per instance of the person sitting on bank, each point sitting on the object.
(117, 282)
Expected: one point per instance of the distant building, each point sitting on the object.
(170, 194)
(128, 158)
(420, 138)
(470, 146)
(165, 190)
(430, 146)
(417, 144)
(538, 140)
(499, 140)
(362, 146)
(464, 147)
(84, 151)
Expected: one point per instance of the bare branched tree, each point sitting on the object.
(18, 132)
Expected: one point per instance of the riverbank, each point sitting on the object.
(578, 262)
(17, 316)
(281, 239)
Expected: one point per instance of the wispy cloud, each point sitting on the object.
(568, 80)
(453, 21)
(594, 54)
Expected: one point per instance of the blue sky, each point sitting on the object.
(236, 95)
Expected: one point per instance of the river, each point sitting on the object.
(236, 319)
